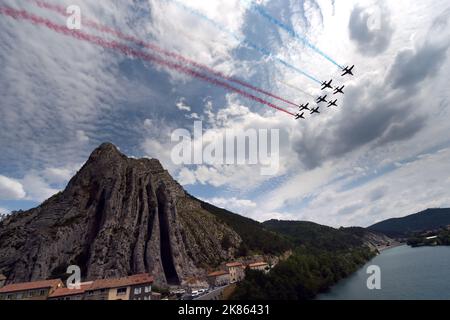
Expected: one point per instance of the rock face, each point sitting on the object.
(117, 216)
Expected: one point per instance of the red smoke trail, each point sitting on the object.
(106, 29)
(22, 14)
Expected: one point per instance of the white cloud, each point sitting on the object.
(182, 106)
(186, 177)
(65, 99)
(410, 188)
(37, 189)
(59, 175)
(233, 204)
(202, 43)
(81, 136)
(161, 151)
(11, 189)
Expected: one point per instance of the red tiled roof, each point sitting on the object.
(122, 282)
(43, 284)
(234, 264)
(217, 273)
(257, 264)
(62, 292)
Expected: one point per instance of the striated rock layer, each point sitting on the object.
(117, 216)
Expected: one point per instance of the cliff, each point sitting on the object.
(117, 216)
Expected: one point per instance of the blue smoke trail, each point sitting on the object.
(258, 8)
(240, 39)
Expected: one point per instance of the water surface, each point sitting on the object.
(406, 273)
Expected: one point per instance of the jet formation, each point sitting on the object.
(324, 98)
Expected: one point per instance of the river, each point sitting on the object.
(406, 273)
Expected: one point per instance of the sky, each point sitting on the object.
(383, 152)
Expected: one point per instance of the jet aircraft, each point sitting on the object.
(304, 107)
(339, 90)
(315, 110)
(300, 116)
(332, 103)
(322, 99)
(326, 85)
(348, 70)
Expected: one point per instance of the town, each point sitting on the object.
(218, 285)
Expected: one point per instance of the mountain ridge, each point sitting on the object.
(428, 219)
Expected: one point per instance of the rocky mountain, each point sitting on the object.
(120, 216)
(117, 216)
(430, 219)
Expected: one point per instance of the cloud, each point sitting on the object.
(81, 136)
(202, 42)
(182, 106)
(54, 89)
(11, 189)
(186, 177)
(233, 204)
(59, 175)
(61, 98)
(369, 116)
(411, 67)
(37, 188)
(389, 195)
(370, 28)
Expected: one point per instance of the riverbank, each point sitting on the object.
(406, 274)
(391, 246)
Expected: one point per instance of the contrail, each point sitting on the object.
(95, 25)
(128, 51)
(296, 88)
(250, 44)
(259, 9)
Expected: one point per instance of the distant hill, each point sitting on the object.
(255, 236)
(314, 235)
(426, 220)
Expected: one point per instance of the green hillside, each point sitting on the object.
(314, 235)
(256, 238)
(321, 257)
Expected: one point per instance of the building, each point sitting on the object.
(136, 287)
(218, 278)
(236, 271)
(2, 280)
(37, 290)
(156, 296)
(71, 294)
(260, 266)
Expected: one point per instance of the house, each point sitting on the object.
(71, 294)
(156, 296)
(136, 287)
(218, 278)
(36, 290)
(2, 280)
(236, 271)
(261, 266)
